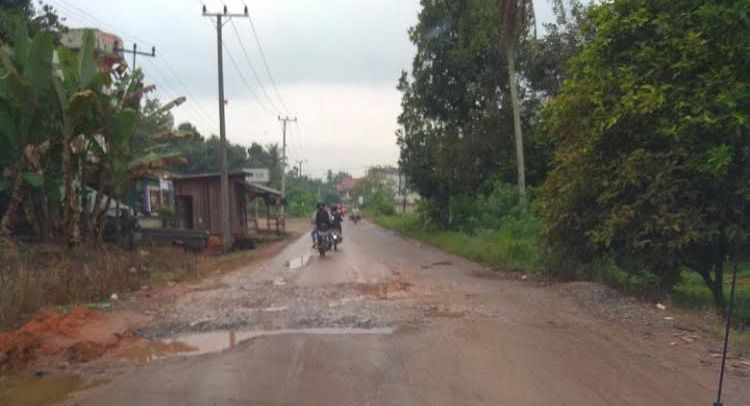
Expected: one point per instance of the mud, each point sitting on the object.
(19, 390)
(78, 336)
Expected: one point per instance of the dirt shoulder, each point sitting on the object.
(64, 342)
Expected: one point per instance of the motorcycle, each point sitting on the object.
(336, 238)
(325, 240)
(354, 217)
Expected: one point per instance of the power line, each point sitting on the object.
(265, 62)
(244, 81)
(299, 138)
(101, 22)
(87, 18)
(252, 68)
(169, 91)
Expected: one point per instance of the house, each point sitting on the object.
(107, 46)
(198, 202)
(347, 189)
(404, 199)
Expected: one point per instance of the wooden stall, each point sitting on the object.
(198, 201)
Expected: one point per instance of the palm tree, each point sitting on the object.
(517, 18)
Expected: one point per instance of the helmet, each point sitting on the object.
(320, 205)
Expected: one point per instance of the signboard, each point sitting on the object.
(259, 175)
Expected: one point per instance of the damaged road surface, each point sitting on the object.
(390, 321)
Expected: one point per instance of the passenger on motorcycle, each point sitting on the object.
(321, 218)
(337, 218)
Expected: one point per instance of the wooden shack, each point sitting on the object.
(198, 201)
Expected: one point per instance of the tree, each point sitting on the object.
(516, 19)
(653, 127)
(376, 192)
(454, 103)
(68, 118)
(14, 13)
(26, 99)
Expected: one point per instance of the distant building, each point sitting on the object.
(106, 45)
(347, 189)
(404, 199)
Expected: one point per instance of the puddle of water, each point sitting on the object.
(148, 351)
(205, 343)
(297, 263)
(223, 340)
(17, 390)
(274, 309)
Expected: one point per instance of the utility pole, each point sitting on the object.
(299, 166)
(135, 52)
(226, 229)
(284, 121)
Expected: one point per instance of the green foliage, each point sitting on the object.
(653, 129)
(67, 122)
(376, 192)
(515, 246)
(691, 292)
(17, 13)
(456, 135)
(493, 230)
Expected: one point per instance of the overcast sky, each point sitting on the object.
(335, 64)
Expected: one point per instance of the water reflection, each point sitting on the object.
(297, 263)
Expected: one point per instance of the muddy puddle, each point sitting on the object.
(297, 263)
(17, 390)
(205, 343)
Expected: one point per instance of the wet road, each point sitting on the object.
(390, 321)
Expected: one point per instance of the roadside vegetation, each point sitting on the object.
(635, 126)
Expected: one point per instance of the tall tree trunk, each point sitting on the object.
(518, 135)
(29, 212)
(16, 197)
(716, 284)
(101, 220)
(71, 216)
(43, 216)
(94, 216)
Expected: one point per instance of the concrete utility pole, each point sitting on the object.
(299, 165)
(135, 52)
(226, 229)
(284, 121)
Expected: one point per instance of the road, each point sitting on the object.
(391, 321)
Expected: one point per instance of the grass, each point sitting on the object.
(513, 247)
(692, 293)
(35, 276)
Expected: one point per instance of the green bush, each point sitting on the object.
(514, 245)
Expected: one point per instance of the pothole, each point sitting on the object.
(216, 341)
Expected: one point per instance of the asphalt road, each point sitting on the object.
(390, 321)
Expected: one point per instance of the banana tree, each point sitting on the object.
(26, 97)
(80, 87)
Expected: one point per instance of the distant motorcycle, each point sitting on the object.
(325, 240)
(354, 217)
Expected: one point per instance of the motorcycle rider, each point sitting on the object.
(337, 219)
(321, 218)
